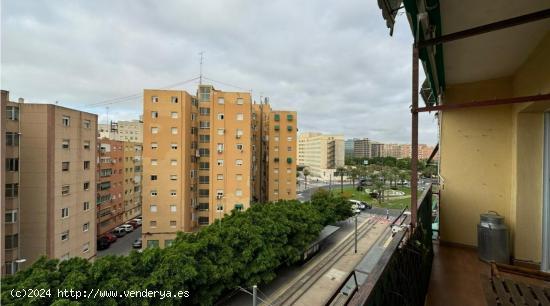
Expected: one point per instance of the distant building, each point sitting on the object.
(132, 179)
(349, 145)
(322, 154)
(362, 148)
(122, 130)
(48, 183)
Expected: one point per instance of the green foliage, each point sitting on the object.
(244, 249)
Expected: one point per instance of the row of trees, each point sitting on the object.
(244, 249)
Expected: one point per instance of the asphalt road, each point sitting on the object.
(123, 245)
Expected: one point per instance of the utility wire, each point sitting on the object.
(250, 293)
(227, 84)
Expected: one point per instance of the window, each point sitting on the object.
(239, 133)
(277, 127)
(85, 247)
(289, 128)
(277, 117)
(154, 114)
(154, 162)
(174, 146)
(154, 130)
(12, 164)
(86, 226)
(12, 112)
(204, 138)
(221, 131)
(86, 206)
(153, 243)
(173, 162)
(240, 101)
(289, 138)
(86, 185)
(66, 120)
(154, 99)
(64, 212)
(219, 207)
(289, 117)
(203, 152)
(239, 162)
(153, 208)
(239, 177)
(65, 189)
(86, 123)
(204, 206)
(193, 116)
(276, 170)
(173, 208)
(12, 139)
(154, 145)
(174, 131)
(204, 124)
(219, 177)
(172, 223)
(86, 164)
(174, 115)
(221, 100)
(203, 193)
(203, 220)
(152, 223)
(86, 145)
(219, 147)
(240, 146)
(204, 165)
(65, 236)
(240, 117)
(204, 111)
(153, 177)
(173, 177)
(220, 116)
(174, 100)
(276, 149)
(12, 241)
(220, 162)
(65, 143)
(204, 179)
(239, 192)
(64, 166)
(276, 138)
(10, 216)
(204, 93)
(239, 207)
(289, 160)
(12, 190)
(154, 193)
(173, 193)
(276, 159)
(288, 170)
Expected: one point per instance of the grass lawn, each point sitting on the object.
(399, 203)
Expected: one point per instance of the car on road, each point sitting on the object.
(103, 243)
(366, 205)
(137, 244)
(133, 223)
(111, 237)
(127, 227)
(119, 232)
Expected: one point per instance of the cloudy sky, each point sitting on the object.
(331, 61)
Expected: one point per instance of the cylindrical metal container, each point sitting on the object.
(493, 239)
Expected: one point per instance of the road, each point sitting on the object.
(123, 245)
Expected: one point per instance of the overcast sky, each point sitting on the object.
(331, 61)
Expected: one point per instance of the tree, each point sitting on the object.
(354, 174)
(306, 173)
(341, 171)
(404, 175)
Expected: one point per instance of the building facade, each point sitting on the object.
(321, 154)
(49, 172)
(110, 186)
(132, 180)
(131, 131)
(202, 158)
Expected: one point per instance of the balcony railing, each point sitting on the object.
(402, 274)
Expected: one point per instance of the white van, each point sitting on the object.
(127, 227)
(356, 206)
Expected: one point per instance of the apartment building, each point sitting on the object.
(362, 148)
(132, 180)
(110, 186)
(322, 154)
(202, 158)
(131, 131)
(48, 183)
(349, 145)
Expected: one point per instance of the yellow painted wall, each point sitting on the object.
(491, 157)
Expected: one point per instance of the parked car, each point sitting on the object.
(133, 223)
(137, 244)
(127, 227)
(103, 243)
(355, 206)
(366, 205)
(111, 237)
(138, 221)
(119, 232)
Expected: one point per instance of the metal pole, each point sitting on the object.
(355, 234)
(414, 136)
(254, 295)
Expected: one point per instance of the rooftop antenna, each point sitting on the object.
(200, 75)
